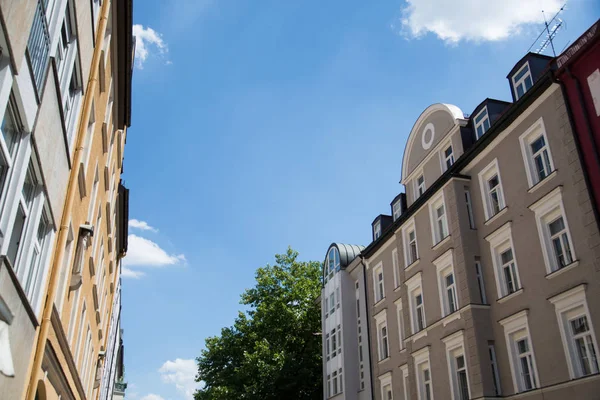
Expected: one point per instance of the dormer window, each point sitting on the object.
(376, 230)
(420, 186)
(448, 157)
(481, 122)
(522, 81)
(397, 209)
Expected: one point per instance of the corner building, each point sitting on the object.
(482, 283)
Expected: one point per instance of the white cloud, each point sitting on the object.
(476, 20)
(129, 273)
(152, 396)
(147, 40)
(144, 252)
(141, 225)
(181, 373)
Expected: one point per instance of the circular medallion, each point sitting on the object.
(427, 136)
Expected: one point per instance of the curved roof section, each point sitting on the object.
(348, 252)
(437, 119)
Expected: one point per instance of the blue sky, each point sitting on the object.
(259, 125)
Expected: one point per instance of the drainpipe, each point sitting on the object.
(362, 261)
(590, 135)
(71, 192)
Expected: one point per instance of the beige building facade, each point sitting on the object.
(482, 283)
(65, 88)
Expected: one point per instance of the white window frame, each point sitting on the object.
(444, 158)
(500, 241)
(537, 130)
(445, 266)
(521, 81)
(480, 281)
(396, 267)
(438, 233)
(494, 367)
(414, 287)
(385, 383)
(477, 124)
(383, 347)
(397, 209)
(400, 317)
(469, 204)
(548, 209)
(516, 328)
(405, 383)
(484, 176)
(378, 285)
(377, 230)
(406, 230)
(421, 362)
(568, 306)
(455, 347)
(419, 188)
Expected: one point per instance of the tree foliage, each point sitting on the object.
(271, 352)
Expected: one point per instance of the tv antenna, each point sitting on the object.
(550, 30)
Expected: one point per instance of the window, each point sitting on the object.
(481, 122)
(396, 268)
(38, 47)
(491, 189)
(423, 374)
(457, 366)
(340, 387)
(417, 308)
(553, 229)
(446, 283)
(447, 158)
(332, 263)
(480, 283)
(328, 347)
(397, 209)
(378, 279)
(505, 264)
(64, 272)
(326, 306)
(439, 222)
(89, 137)
(376, 230)
(536, 153)
(331, 303)
(405, 388)
(577, 332)
(333, 337)
(522, 81)
(419, 186)
(9, 145)
(329, 391)
(469, 205)
(409, 237)
(494, 366)
(382, 335)
(522, 360)
(400, 323)
(386, 386)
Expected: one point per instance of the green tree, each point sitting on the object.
(271, 352)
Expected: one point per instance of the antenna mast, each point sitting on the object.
(550, 31)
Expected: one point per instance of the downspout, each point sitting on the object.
(71, 191)
(590, 135)
(362, 261)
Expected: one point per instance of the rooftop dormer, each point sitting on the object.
(380, 224)
(526, 72)
(338, 257)
(485, 114)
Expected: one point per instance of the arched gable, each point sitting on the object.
(431, 127)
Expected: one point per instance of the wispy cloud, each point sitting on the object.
(473, 20)
(129, 273)
(152, 396)
(181, 373)
(141, 225)
(144, 252)
(148, 42)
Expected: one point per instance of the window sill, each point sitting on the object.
(384, 360)
(421, 334)
(413, 264)
(451, 317)
(541, 183)
(379, 302)
(397, 288)
(496, 216)
(560, 271)
(402, 350)
(509, 296)
(441, 242)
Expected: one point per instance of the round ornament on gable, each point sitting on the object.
(427, 136)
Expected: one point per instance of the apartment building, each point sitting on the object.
(65, 90)
(481, 284)
(346, 360)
